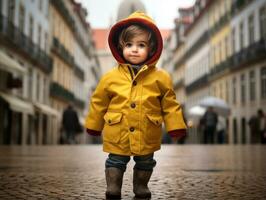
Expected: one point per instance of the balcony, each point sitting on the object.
(13, 37)
(79, 103)
(237, 5)
(60, 6)
(62, 52)
(218, 25)
(178, 83)
(58, 91)
(199, 83)
(253, 53)
(79, 72)
(202, 40)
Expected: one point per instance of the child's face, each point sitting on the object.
(136, 50)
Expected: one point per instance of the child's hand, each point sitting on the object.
(93, 132)
(177, 134)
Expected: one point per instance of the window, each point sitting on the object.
(221, 90)
(30, 83)
(233, 41)
(1, 6)
(213, 56)
(46, 90)
(241, 37)
(251, 29)
(235, 130)
(11, 10)
(31, 24)
(214, 91)
(252, 86)
(21, 18)
(263, 82)
(243, 128)
(46, 42)
(226, 47)
(220, 51)
(263, 22)
(38, 87)
(40, 36)
(40, 5)
(234, 90)
(243, 88)
(227, 91)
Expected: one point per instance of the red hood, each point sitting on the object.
(135, 18)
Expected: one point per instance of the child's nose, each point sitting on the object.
(134, 48)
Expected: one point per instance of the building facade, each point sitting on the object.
(46, 60)
(27, 115)
(224, 57)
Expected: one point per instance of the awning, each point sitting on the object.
(10, 65)
(17, 104)
(46, 109)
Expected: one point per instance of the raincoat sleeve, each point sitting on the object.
(171, 109)
(98, 106)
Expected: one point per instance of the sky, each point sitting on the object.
(102, 13)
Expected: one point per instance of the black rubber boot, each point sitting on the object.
(140, 184)
(114, 179)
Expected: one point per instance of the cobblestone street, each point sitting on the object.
(182, 172)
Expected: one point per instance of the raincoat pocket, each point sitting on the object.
(112, 127)
(153, 128)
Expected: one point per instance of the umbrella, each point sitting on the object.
(218, 105)
(196, 111)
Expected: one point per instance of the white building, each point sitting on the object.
(25, 37)
(86, 61)
(248, 79)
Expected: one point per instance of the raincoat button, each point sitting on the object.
(131, 129)
(133, 105)
(134, 83)
(109, 121)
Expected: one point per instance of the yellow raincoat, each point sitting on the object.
(130, 109)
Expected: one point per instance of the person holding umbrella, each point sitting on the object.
(209, 122)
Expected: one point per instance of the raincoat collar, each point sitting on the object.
(135, 18)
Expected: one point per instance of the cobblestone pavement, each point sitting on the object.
(182, 172)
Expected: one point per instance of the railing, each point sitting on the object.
(79, 72)
(237, 5)
(79, 103)
(219, 24)
(11, 35)
(202, 40)
(62, 52)
(58, 91)
(200, 82)
(250, 54)
(60, 6)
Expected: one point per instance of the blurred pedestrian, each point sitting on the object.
(262, 125)
(255, 135)
(70, 124)
(130, 104)
(221, 130)
(209, 121)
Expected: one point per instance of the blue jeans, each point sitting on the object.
(145, 162)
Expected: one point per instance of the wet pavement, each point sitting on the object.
(182, 172)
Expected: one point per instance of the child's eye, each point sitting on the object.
(142, 45)
(128, 45)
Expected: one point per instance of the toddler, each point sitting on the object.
(131, 102)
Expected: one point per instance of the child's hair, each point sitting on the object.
(133, 30)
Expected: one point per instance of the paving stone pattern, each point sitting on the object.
(183, 172)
